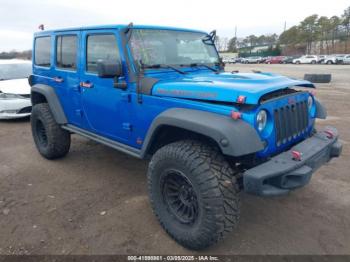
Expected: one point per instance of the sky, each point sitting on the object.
(20, 18)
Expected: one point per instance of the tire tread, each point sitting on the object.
(58, 138)
(218, 188)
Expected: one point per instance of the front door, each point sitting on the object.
(104, 106)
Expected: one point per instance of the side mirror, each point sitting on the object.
(107, 69)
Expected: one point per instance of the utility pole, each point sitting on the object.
(285, 26)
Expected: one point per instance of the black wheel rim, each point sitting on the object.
(180, 197)
(41, 133)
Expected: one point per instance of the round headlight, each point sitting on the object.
(261, 120)
(310, 102)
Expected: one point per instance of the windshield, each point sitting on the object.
(15, 71)
(169, 47)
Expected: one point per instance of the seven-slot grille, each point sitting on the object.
(291, 121)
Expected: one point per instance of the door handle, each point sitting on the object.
(58, 79)
(86, 84)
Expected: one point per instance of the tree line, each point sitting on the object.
(27, 55)
(315, 34)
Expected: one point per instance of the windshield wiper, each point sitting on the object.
(155, 66)
(206, 66)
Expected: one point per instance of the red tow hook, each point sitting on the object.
(296, 155)
(329, 134)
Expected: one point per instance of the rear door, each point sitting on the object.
(66, 74)
(106, 108)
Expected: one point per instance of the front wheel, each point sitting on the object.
(194, 193)
(50, 139)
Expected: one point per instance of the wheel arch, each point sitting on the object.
(166, 134)
(41, 93)
(233, 137)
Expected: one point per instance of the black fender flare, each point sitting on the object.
(321, 111)
(234, 137)
(54, 103)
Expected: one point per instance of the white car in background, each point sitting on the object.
(14, 89)
(306, 59)
(229, 60)
(346, 59)
(334, 59)
(252, 60)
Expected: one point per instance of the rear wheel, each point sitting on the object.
(194, 193)
(50, 139)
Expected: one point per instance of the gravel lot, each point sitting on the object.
(94, 201)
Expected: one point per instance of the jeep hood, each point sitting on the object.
(225, 87)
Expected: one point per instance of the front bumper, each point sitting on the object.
(15, 108)
(283, 173)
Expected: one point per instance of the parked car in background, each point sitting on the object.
(321, 58)
(334, 59)
(274, 60)
(264, 58)
(346, 59)
(253, 60)
(239, 59)
(306, 59)
(289, 59)
(229, 60)
(14, 89)
(225, 60)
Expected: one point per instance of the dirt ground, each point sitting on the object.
(94, 201)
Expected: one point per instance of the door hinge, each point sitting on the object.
(126, 97)
(76, 88)
(127, 126)
(79, 112)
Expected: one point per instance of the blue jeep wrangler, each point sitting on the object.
(161, 93)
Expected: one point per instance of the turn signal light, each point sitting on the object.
(241, 99)
(236, 115)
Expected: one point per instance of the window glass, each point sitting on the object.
(100, 47)
(151, 46)
(42, 51)
(66, 52)
(194, 50)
